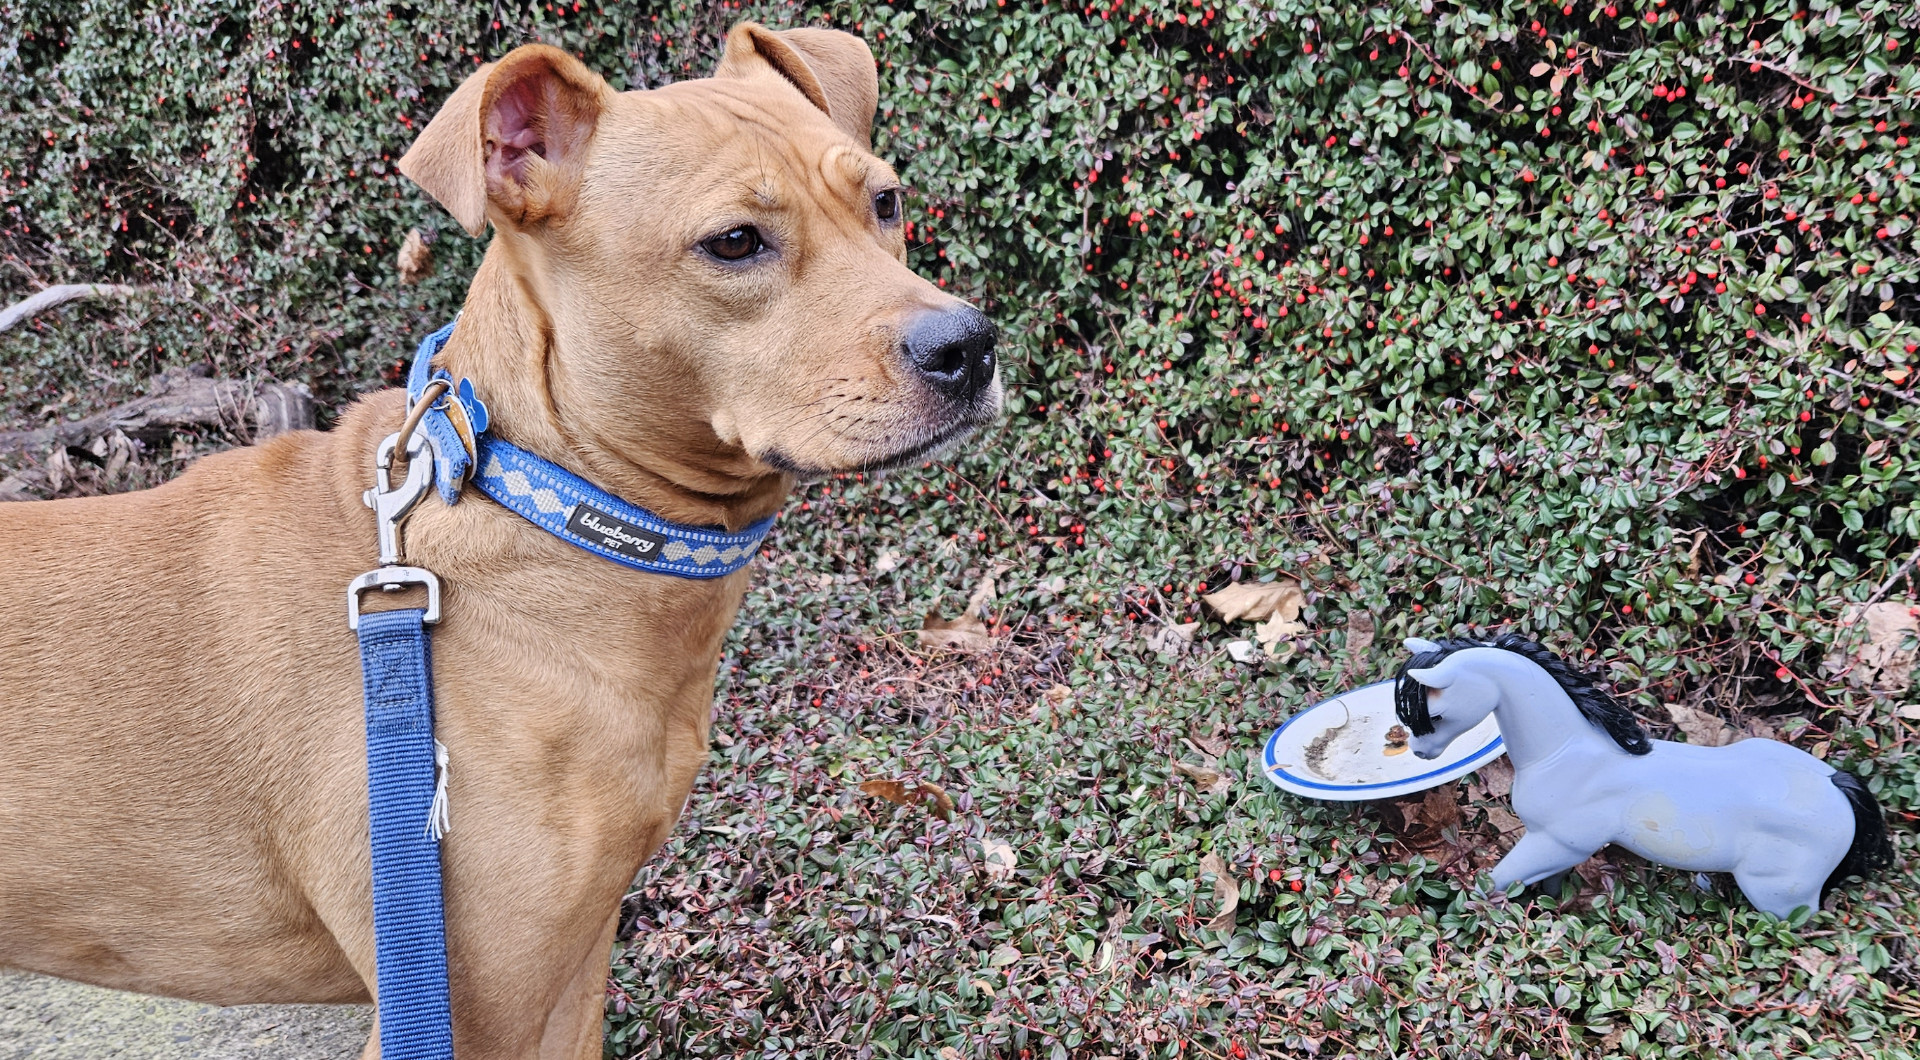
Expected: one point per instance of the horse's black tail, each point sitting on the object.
(1871, 850)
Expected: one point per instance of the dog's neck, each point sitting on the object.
(506, 344)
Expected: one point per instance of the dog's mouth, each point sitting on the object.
(918, 447)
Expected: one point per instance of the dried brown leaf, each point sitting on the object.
(1702, 728)
(1496, 777)
(1276, 629)
(1213, 744)
(1505, 822)
(416, 259)
(1172, 639)
(1226, 894)
(1204, 777)
(1255, 601)
(984, 593)
(1359, 632)
(1873, 651)
(965, 633)
(60, 469)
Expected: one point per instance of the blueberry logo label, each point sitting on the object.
(612, 533)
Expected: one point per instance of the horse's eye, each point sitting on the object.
(886, 205)
(735, 245)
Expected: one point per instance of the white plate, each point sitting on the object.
(1336, 750)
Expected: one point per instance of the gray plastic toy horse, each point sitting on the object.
(1785, 824)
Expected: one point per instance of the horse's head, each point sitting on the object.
(1441, 694)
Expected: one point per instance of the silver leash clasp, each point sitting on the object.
(390, 506)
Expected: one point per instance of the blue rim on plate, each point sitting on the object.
(1289, 782)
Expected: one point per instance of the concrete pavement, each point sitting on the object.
(51, 1019)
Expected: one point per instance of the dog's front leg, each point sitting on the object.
(574, 1024)
(569, 1029)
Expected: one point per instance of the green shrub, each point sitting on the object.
(1595, 320)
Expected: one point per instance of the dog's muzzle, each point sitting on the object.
(952, 350)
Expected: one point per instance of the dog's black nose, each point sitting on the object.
(952, 349)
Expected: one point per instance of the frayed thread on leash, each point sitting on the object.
(437, 824)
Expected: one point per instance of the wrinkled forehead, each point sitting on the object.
(711, 145)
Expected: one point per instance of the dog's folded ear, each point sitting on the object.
(834, 70)
(512, 134)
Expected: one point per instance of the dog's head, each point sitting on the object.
(720, 263)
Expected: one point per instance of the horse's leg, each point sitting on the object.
(1535, 857)
(1778, 885)
(1550, 886)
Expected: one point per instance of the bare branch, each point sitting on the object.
(53, 296)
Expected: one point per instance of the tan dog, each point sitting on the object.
(693, 294)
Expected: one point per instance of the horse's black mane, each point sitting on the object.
(1595, 704)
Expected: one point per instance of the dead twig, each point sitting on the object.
(67, 292)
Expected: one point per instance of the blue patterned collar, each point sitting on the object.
(557, 500)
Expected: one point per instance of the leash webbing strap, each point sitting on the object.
(409, 923)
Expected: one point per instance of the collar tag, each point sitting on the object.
(615, 533)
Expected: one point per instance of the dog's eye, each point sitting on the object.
(742, 242)
(886, 205)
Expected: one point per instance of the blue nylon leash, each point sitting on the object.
(406, 801)
(409, 923)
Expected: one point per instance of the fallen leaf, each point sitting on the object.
(1496, 777)
(1226, 894)
(59, 469)
(1057, 695)
(996, 858)
(965, 633)
(1205, 777)
(1172, 639)
(416, 260)
(1874, 649)
(904, 793)
(1909, 711)
(1213, 743)
(1254, 601)
(1504, 821)
(983, 594)
(1359, 632)
(118, 450)
(1701, 728)
(1439, 809)
(1242, 651)
(887, 561)
(1897, 375)
(1276, 629)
